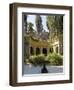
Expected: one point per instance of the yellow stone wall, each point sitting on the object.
(39, 43)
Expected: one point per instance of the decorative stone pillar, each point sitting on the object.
(34, 50)
(41, 50)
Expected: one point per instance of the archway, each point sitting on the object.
(45, 51)
(31, 50)
(37, 51)
(51, 50)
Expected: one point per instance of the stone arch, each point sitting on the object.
(51, 50)
(31, 50)
(37, 51)
(45, 51)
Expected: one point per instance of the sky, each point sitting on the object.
(31, 18)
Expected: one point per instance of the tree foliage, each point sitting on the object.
(38, 60)
(39, 25)
(55, 25)
(50, 59)
(55, 59)
(26, 48)
(30, 27)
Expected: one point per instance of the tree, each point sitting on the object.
(55, 25)
(59, 27)
(51, 26)
(25, 23)
(39, 25)
(59, 24)
(26, 48)
(30, 27)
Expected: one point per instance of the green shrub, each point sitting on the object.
(55, 59)
(38, 60)
(50, 59)
(31, 59)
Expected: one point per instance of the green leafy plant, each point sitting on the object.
(38, 60)
(55, 59)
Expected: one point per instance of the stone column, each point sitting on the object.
(47, 50)
(54, 49)
(29, 51)
(34, 50)
(58, 48)
(41, 50)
